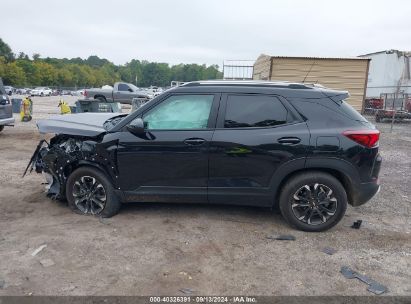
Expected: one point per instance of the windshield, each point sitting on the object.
(133, 87)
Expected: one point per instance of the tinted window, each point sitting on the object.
(123, 87)
(350, 111)
(180, 112)
(254, 111)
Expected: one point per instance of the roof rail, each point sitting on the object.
(280, 84)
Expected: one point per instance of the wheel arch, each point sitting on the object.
(99, 96)
(342, 170)
(113, 200)
(84, 163)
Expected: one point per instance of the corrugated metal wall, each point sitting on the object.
(341, 74)
(261, 69)
(389, 71)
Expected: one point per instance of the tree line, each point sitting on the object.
(19, 70)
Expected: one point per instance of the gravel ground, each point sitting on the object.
(152, 249)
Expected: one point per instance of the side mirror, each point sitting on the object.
(136, 127)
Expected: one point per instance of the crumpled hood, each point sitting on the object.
(82, 124)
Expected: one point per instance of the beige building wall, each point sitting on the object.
(334, 73)
(261, 69)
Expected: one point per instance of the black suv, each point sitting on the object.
(299, 147)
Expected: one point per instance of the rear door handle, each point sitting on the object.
(289, 140)
(194, 141)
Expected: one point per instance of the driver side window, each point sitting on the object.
(123, 87)
(180, 112)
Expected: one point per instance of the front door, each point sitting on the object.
(124, 93)
(169, 163)
(255, 136)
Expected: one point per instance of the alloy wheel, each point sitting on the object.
(89, 195)
(314, 204)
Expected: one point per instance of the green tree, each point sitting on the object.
(14, 75)
(5, 51)
(22, 55)
(94, 71)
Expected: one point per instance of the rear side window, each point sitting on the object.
(245, 111)
(350, 111)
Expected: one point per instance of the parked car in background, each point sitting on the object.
(398, 109)
(122, 92)
(22, 91)
(220, 142)
(41, 91)
(6, 111)
(374, 103)
(65, 92)
(77, 93)
(154, 91)
(9, 90)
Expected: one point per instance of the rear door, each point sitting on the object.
(255, 135)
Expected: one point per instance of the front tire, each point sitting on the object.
(313, 201)
(89, 192)
(1, 128)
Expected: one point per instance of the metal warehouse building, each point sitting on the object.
(390, 72)
(348, 74)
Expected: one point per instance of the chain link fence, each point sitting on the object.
(390, 111)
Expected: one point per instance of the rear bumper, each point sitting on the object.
(6, 121)
(364, 192)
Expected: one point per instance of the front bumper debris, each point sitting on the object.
(57, 159)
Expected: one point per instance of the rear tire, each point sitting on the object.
(1, 128)
(89, 192)
(313, 201)
(101, 99)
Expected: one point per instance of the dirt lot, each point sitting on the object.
(156, 249)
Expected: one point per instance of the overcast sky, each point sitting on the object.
(204, 31)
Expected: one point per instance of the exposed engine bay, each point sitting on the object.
(57, 159)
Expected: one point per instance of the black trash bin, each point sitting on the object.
(16, 104)
(95, 105)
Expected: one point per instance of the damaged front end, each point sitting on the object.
(57, 159)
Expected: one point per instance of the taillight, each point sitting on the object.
(367, 138)
(85, 93)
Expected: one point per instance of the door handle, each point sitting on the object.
(194, 141)
(289, 140)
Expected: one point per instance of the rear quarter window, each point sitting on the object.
(350, 112)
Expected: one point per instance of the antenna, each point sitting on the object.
(309, 71)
